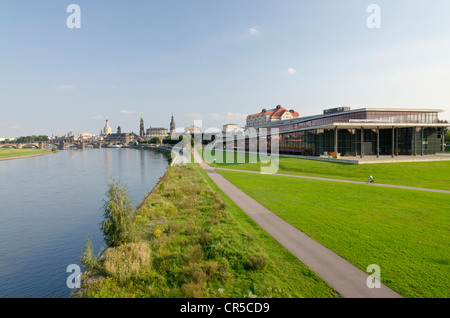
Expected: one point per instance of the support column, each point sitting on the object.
(396, 144)
(362, 142)
(415, 141)
(335, 141)
(393, 142)
(421, 142)
(443, 139)
(378, 142)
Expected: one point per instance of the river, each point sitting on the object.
(50, 204)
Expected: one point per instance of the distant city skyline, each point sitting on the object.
(215, 61)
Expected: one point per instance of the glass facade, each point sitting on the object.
(295, 137)
(400, 141)
(363, 116)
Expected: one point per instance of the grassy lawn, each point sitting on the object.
(405, 232)
(9, 153)
(435, 175)
(200, 244)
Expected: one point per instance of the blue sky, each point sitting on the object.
(215, 61)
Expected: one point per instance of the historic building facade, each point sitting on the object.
(272, 115)
(157, 132)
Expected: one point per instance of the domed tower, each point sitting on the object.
(107, 129)
(172, 126)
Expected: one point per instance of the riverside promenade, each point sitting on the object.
(348, 280)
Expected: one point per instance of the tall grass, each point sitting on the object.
(199, 244)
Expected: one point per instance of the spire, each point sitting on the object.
(141, 128)
(172, 126)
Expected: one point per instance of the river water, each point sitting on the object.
(50, 204)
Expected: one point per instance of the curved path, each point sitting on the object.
(342, 180)
(348, 280)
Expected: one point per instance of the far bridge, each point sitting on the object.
(59, 145)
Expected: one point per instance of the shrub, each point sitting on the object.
(131, 260)
(257, 262)
(206, 238)
(193, 290)
(193, 254)
(117, 225)
(88, 260)
(210, 268)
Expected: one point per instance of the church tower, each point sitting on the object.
(107, 129)
(172, 126)
(141, 128)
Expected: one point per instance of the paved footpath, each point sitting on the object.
(345, 181)
(345, 278)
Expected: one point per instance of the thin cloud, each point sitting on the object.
(97, 117)
(13, 127)
(254, 31)
(127, 112)
(228, 117)
(65, 87)
(291, 71)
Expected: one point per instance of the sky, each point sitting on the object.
(214, 60)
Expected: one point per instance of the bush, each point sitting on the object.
(129, 261)
(88, 260)
(257, 262)
(117, 226)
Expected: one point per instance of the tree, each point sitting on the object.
(89, 260)
(154, 140)
(168, 140)
(118, 226)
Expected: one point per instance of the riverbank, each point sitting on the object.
(193, 241)
(11, 154)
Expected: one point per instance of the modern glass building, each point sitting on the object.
(359, 132)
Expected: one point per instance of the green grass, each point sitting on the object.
(405, 232)
(202, 245)
(434, 175)
(10, 153)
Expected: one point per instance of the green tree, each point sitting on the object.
(154, 140)
(117, 225)
(89, 260)
(168, 140)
